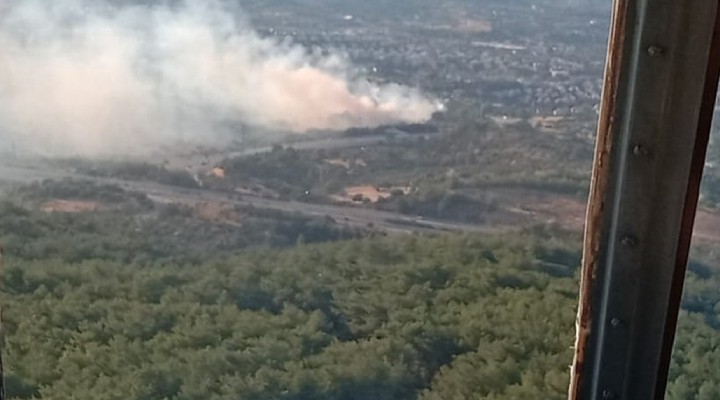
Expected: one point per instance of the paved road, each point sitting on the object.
(348, 215)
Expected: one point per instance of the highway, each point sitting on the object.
(347, 215)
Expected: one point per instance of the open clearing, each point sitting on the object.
(70, 206)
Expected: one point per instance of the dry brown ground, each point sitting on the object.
(370, 193)
(569, 213)
(70, 206)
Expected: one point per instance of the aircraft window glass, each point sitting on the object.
(319, 199)
(695, 351)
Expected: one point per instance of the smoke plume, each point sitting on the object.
(87, 77)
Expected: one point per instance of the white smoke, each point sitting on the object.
(86, 77)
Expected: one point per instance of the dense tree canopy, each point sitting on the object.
(428, 318)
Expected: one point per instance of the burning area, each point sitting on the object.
(94, 78)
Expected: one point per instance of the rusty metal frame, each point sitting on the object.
(659, 93)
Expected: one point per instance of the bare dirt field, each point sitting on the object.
(217, 212)
(70, 206)
(707, 226)
(370, 193)
(569, 212)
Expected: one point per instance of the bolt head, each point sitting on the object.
(640, 150)
(628, 241)
(655, 50)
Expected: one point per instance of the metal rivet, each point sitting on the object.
(615, 322)
(606, 394)
(640, 150)
(628, 241)
(655, 50)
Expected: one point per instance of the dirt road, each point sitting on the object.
(346, 215)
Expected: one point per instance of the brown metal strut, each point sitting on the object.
(659, 94)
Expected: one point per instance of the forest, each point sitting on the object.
(426, 317)
(127, 226)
